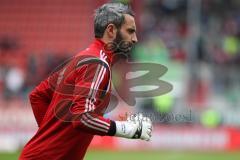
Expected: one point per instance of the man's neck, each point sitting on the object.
(106, 40)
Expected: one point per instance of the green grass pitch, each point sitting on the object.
(147, 155)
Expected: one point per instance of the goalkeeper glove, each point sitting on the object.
(136, 127)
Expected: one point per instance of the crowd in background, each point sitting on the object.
(20, 73)
(209, 81)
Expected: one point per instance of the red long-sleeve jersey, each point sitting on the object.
(69, 106)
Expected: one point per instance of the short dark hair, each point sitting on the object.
(110, 13)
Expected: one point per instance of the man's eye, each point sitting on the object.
(131, 31)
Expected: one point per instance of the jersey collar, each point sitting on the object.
(100, 45)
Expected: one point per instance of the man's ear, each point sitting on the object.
(111, 31)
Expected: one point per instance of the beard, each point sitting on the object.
(119, 47)
(122, 47)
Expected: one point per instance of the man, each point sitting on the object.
(69, 105)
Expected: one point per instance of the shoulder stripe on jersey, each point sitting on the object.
(89, 106)
(99, 80)
(99, 69)
(92, 60)
(103, 66)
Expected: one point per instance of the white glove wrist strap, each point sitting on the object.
(128, 129)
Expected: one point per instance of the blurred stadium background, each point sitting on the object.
(197, 40)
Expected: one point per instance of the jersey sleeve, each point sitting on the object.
(92, 82)
(40, 99)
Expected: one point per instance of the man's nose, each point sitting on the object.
(134, 39)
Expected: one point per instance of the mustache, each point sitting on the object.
(122, 46)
